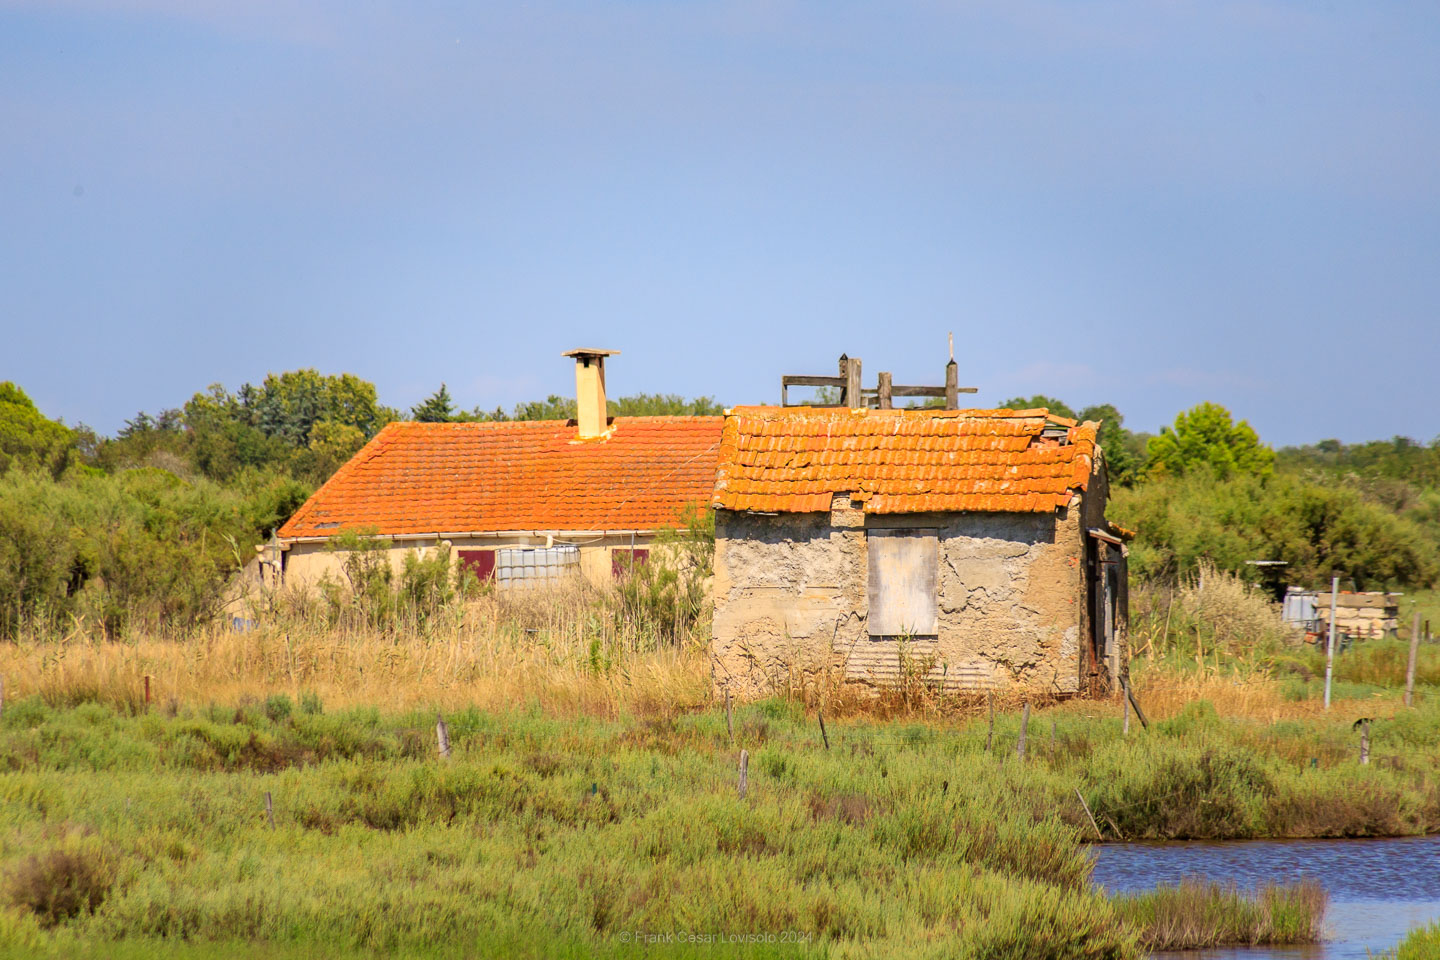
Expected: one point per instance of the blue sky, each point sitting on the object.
(1150, 204)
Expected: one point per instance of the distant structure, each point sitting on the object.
(964, 549)
(1359, 616)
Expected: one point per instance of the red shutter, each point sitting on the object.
(622, 559)
(480, 561)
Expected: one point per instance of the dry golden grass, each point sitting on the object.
(553, 648)
(1163, 693)
(564, 650)
(494, 664)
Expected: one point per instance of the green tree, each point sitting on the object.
(225, 437)
(1123, 456)
(552, 407)
(331, 444)
(436, 408)
(29, 439)
(664, 405)
(1058, 407)
(288, 405)
(1206, 437)
(1318, 529)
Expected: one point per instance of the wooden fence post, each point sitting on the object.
(744, 773)
(1081, 796)
(442, 735)
(1124, 712)
(147, 691)
(1130, 695)
(1365, 741)
(269, 809)
(1024, 729)
(1410, 667)
(823, 735)
(729, 721)
(990, 735)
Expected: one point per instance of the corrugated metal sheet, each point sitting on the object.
(888, 661)
(1298, 606)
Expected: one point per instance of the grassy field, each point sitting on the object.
(541, 836)
(552, 833)
(591, 804)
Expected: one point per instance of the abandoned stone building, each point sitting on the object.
(967, 549)
(519, 502)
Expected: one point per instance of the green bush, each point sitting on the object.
(1317, 529)
(374, 595)
(60, 884)
(99, 552)
(668, 594)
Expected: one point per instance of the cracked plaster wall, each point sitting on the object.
(790, 602)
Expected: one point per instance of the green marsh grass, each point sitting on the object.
(550, 833)
(1423, 943)
(542, 836)
(1195, 914)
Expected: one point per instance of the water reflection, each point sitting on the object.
(1379, 889)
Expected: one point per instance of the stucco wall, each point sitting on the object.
(306, 563)
(791, 607)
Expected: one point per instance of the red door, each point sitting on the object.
(480, 561)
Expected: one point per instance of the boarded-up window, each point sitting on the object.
(904, 578)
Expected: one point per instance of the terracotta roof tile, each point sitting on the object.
(794, 459)
(418, 478)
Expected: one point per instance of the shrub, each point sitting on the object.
(60, 884)
(142, 547)
(1226, 615)
(667, 596)
(278, 706)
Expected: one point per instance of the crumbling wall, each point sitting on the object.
(791, 603)
(789, 594)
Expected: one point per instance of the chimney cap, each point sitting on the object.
(589, 352)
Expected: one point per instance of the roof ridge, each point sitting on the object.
(795, 459)
(417, 478)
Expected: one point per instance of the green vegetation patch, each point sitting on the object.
(544, 836)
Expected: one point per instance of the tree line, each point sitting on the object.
(1206, 488)
(98, 533)
(149, 525)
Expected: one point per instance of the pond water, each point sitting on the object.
(1379, 889)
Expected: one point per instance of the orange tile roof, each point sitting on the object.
(795, 459)
(419, 478)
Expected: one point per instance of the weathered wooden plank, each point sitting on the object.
(799, 381)
(904, 573)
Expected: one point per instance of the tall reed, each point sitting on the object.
(1196, 914)
(555, 646)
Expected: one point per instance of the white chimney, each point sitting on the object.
(590, 415)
